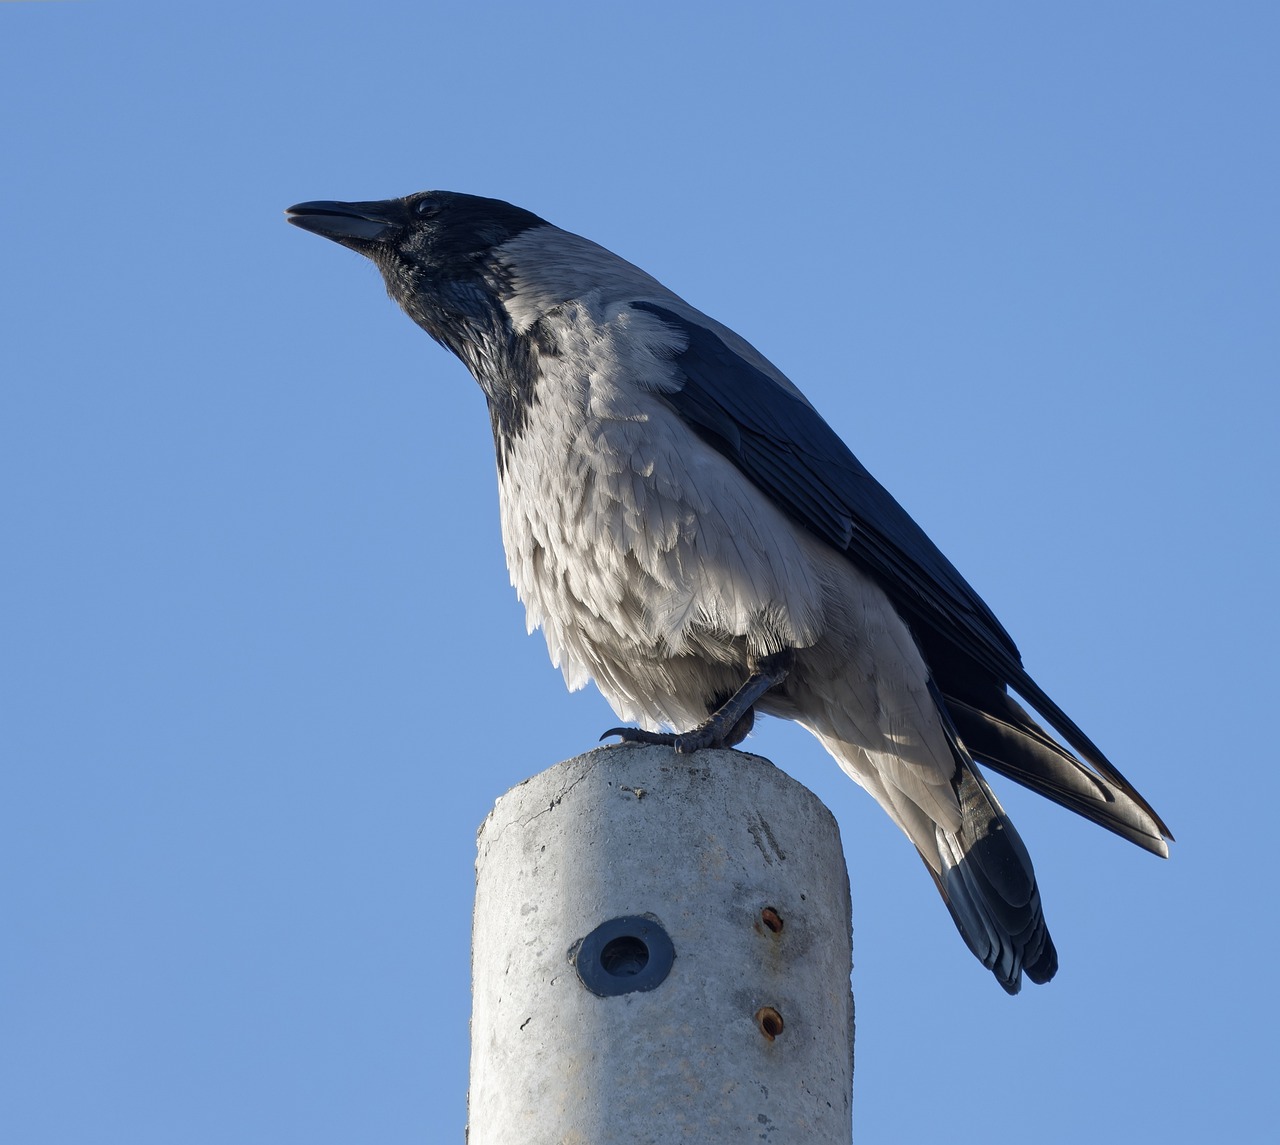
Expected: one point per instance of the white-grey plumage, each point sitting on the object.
(691, 536)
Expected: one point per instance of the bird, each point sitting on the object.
(690, 535)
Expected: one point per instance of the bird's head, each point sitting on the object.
(434, 249)
(447, 260)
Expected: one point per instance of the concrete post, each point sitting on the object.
(661, 953)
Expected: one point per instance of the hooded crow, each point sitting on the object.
(690, 535)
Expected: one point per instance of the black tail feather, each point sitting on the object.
(987, 880)
(1011, 742)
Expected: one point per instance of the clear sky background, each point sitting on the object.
(263, 674)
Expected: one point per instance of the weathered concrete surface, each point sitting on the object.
(742, 867)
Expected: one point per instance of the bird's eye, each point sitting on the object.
(426, 209)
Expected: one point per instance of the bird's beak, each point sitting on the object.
(352, 224)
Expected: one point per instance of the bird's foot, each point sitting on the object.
(730, 721)
(711, 733)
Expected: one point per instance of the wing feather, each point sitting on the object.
(785, 447)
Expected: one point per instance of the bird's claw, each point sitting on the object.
(639, 735)
(633, 735)
(710, 734)
(731, 719)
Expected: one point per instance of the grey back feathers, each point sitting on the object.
(675, 513)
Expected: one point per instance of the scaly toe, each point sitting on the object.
(639, 735)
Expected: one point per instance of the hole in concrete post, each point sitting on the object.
(769, 1021)
(772, 919)
(624, 957)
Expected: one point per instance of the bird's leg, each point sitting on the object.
(731, 721)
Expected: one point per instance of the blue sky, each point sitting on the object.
(261, 672)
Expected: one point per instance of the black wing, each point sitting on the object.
(782, 444)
